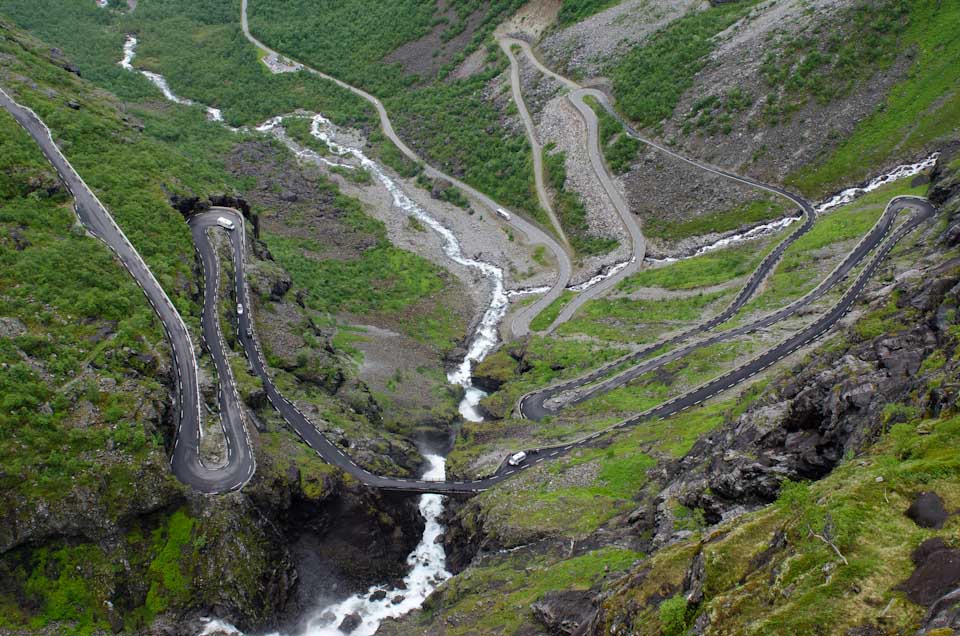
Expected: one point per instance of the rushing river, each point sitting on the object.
(841, 198)
(428, 560)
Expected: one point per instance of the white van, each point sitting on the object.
(517, 458)
(503, 213)
(239, 309)
(225, 223)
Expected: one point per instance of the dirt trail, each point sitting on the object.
(519, 324)
(535, 146)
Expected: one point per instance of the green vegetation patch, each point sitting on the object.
(712, 268)
(623, 319)
(546, 317)
(864, 39)
(519, 581)
(70, 305)
(570, 208)
(384, 280)
(650, 79)
(922, 108)
(619, 148)
(751, 213)
(574, 11)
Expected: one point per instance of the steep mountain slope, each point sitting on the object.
(813, 94)
(842, 437)
(96, 533)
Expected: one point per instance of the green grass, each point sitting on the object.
(672, 379)
(519, 581)
(384, 280)
(546, 317)
(709, 269)
(799, 269)
(650, 79)
(922, 108)
(168, 583)
(573, 11)
(622, 319)
(619, 149)
(751, 213)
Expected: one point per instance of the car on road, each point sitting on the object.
(517, 458)
(225, 223)
(239, 309)
(503, 213)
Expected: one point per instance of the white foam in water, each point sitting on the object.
(428, 568)
(900, 172)
(841, 198)
(130, 50)
(600, 277)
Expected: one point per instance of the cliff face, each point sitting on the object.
(96, 536)
(869, 421)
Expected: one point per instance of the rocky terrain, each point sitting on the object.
(810, 464)
(96, 535)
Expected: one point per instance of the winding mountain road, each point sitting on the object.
(535, 146)
(240, 464)
(537, 404)
(186, 462)
(519, 322)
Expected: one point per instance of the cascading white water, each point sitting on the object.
(841, 198)
(900, 172)
(428, 560)
(130, 50)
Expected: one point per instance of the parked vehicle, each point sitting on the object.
(503, 213)
(225, 223)
(517, 458)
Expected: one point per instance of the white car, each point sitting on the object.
(225, 223)
(239, 309)
(503, 213)
(517, 458)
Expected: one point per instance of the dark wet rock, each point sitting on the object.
(350, 622)
(562, 613)
(943, 617)
(379, 595)
(937, 573)
(20, 242)
(396, 600)
(927, 510)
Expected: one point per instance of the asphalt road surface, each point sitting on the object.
(518, 322)
(536, 404)
(337, 456)
(535, 146)
(240, 465)
(186, 462)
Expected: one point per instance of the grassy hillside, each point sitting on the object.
(923, 108)
(453, 123)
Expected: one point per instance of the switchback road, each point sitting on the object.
(239, 467)
(519, 322)
(186, 462)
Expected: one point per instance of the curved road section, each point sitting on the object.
(186, 462)
(576, 97)
(537, 404)
(520, 321)
(505, 45)
(333, 454)
(239, 468)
